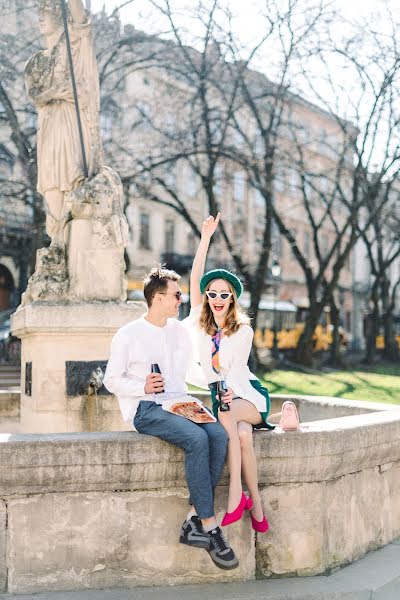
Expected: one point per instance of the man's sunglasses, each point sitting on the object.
(222, 295)
(178, 295)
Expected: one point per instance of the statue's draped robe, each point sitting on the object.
(49, 86)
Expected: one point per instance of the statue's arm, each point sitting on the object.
(77, 10)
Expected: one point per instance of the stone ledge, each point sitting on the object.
(80, 317)
(321, 451)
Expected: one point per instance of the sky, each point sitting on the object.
(249, 26)
(247, 10)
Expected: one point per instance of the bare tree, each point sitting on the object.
(213, 115)
(20, 199)
(382, 241)
(335, 192)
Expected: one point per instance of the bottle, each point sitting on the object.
(222, 388)
(156, 369)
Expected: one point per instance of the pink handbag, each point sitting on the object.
(289, 418)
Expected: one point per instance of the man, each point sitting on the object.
(158, 337)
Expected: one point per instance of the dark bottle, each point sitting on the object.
(156, 369)
(222, 388)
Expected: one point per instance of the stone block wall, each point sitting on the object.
(95, 510)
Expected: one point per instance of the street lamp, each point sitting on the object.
(276, 272)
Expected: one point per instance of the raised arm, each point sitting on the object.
(209, 226)
(77, 10)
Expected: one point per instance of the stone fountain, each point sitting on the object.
(76, 298)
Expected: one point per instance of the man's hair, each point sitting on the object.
(157, 281)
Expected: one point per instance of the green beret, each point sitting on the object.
(221, 274)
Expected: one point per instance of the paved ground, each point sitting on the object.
(374, 577)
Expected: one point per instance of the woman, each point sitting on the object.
(224, 339)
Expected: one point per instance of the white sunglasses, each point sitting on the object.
(222, 295)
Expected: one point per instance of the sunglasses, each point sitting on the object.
(178, 295)
(222, 295)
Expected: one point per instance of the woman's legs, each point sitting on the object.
(249, 467)
(240, 410)
(234, 460)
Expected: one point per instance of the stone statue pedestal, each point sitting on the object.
(63, 348)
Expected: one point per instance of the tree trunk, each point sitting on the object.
(304, 350)
(254, 361)
(372, 329)
(335, 358)
(391, 349)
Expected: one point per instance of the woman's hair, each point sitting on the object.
(235, 317)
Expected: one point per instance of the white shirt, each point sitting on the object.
(133, 349)
(234, 352)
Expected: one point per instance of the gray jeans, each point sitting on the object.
(204, 444)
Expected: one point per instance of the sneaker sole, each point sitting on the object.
(225, 567)
(195, 544)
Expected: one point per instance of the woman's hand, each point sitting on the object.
(199, 263)
(228, 396)
(209, 226)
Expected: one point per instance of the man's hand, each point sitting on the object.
(209, 226)
(154, 383)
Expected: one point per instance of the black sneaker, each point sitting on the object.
(221, 553)
(193, 534)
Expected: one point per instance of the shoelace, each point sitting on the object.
(219, 540)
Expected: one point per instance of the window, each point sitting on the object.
(259, 145)
(32, 117)
(191, 243)
(258, 199)
(170, 124)
(106, 125)
(144, 239)
(238, 187)
(307, 244)
(279, 179)
(324, 244)
(218, 176)
(293, 181)
(276, 245)
(169, 235)
(6, 162)
(324, 185)
(303, 135)
(170, 177)
(191, 183)
(237, 139)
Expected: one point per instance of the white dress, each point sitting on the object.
(234, 352)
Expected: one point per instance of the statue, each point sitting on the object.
(74, 214)
(48, 82)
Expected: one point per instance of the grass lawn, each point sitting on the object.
(378, 383)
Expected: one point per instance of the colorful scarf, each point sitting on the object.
(216, 341)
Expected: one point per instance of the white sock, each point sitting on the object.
(210, 527)
(191, 513)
